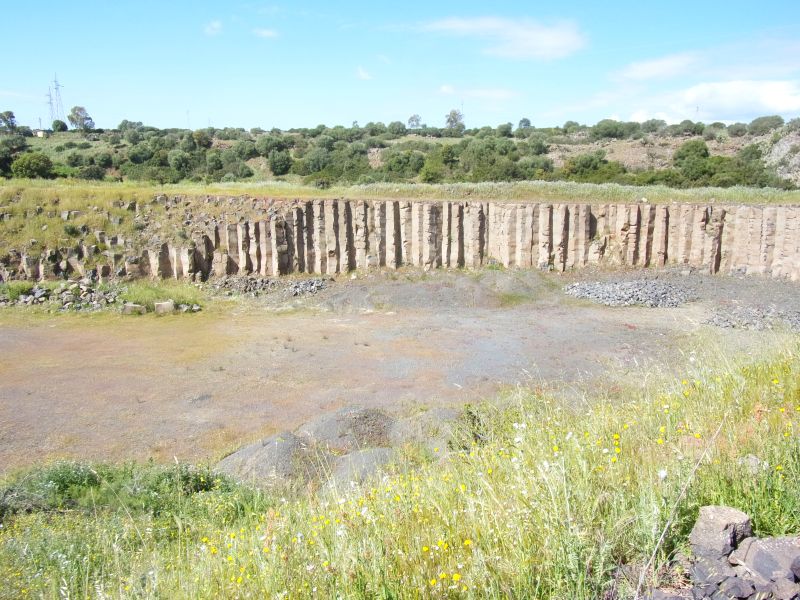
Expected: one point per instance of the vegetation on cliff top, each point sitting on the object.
(395, 153)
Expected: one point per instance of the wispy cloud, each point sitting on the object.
(515, 38)
(659, 68)
(18, 95)
(213, 28)
(265, 33)
(737, 99)
(363, 74)
(479, 93)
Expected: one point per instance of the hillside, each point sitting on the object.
(764, 153)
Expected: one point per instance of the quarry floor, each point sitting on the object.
(194, 387)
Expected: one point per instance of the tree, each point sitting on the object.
(454, 120)
(524, 123)
(279, 162)
(504, 130)
(202, 138)
(396, 128)
(59, 126)
(414, 122)
(93, 172)
(80, 119)
(32, 165)
(763, 125)
(8, 121)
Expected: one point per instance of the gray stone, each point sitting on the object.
(737, 557)
(773, 558)
(359, 466)
(349, 429)
(783, 589)
(164, 308)
(432, 428)
(283, 458)
(718, 530)
(737, 587)
(130, 308)
(710, 571)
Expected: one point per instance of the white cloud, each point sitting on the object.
(516, 38)
(661, 68)
(265, 33)
(363, 74)
(480, 93)
(213, 28)
(737, 99)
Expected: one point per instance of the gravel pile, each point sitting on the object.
(253, 286)
(643, 292)
(755, 318)
(308, 286)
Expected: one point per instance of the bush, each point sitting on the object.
(279, 162)
(92, 172)
(32, 166)
(75, 160)
(763, 125)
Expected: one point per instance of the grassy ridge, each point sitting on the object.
(561, 191)
(539, 500)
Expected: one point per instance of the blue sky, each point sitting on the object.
(264, 64)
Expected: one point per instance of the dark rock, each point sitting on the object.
(773, 558)
(711, 571)
(349, 429)
(783, 589)
(359, 466)
(737, 587)
(718, 530)
(280, 458)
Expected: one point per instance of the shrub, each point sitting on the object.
(32, 166)
(93, 172)
(279, 162)
(763, 125)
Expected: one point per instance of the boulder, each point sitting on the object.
(283, 458)
(164, 308)
(718, 530)
(432, 428)
(773, 558)
(129, 308)
(349, 429)
(358, 466)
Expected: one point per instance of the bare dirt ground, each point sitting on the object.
(193, 386)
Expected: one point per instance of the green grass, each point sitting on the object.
(537, 500)
(15, 289)
(148, 292)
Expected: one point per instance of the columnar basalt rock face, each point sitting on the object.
(336, 236)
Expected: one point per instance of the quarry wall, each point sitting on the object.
(335, 236)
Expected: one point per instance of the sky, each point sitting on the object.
(300, 64)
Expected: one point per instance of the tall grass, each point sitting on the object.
(148, 292)
(552, 191)
(535, 500)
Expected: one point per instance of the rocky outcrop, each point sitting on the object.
(339, 449)
(328, 236)
(729, 563)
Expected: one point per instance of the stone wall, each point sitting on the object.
(334, 236)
